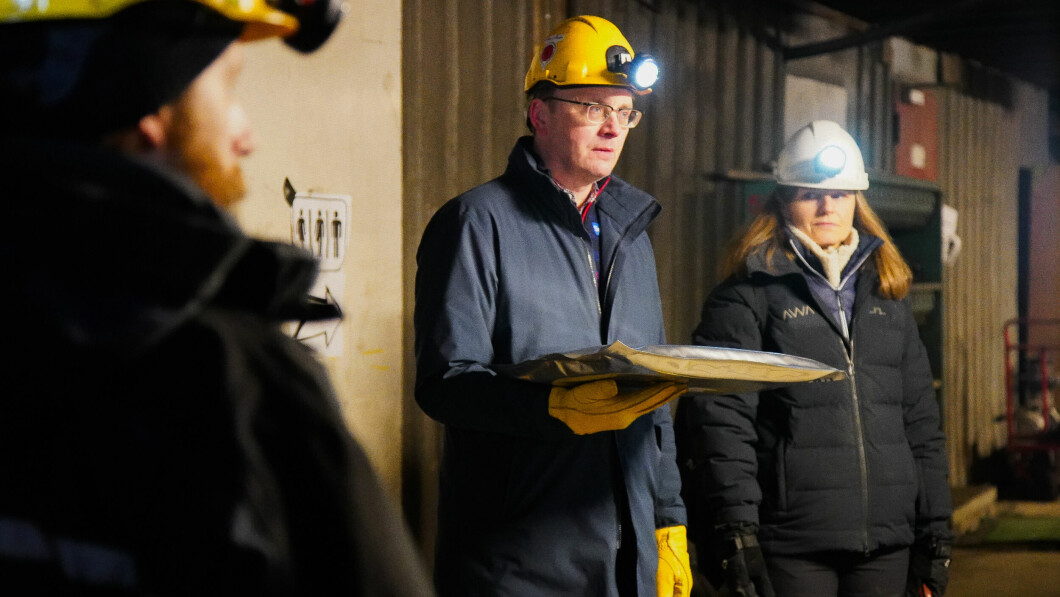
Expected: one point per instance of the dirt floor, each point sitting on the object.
(997, 572)
(985, 569)
(1007, 570)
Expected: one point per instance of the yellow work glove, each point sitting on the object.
(598, 405)
(674, 578)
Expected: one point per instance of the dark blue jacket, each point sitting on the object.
(159, 435)
(504, 275)
(851, 465)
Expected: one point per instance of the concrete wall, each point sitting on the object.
(1044, 274)
(331, 122)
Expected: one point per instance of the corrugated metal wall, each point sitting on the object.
(463, 66)
(714, 110)
(978, 173)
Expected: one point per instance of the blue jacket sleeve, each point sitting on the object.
(456, 294)
(669, 508)
(721, 430)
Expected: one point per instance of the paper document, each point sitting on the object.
(705, 369)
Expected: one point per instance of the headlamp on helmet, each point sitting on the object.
(587, 51)
(642, 72)
(317, 20)
(830, 160)
(821, 155)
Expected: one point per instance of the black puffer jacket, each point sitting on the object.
(852, 465)
(504, 275)
(158, 434)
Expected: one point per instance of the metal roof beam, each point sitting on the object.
(878, 32)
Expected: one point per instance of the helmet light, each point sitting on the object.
(317, 20)
(642, 72)
(646, 73)
(830, 160)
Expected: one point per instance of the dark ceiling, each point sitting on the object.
(1018, 37)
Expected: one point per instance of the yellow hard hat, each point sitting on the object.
(262, 18)
(589, 50)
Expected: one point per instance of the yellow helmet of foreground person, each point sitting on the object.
(589, 50)
(305, 25)
(821, 155)
(83, 69)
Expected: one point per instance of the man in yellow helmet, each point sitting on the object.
(552, 491)
(158, 434)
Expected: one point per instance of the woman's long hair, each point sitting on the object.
(766, 233)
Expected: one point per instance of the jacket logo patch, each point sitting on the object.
(798, 312)
(877, 311)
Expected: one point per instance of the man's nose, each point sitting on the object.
(243, 144)
(611, 127)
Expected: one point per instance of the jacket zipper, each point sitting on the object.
(839, 301)
(596, 283)
(860, 433)
(842, 315)
(863, 464)
(611, 268)
(618, 469)
(858, 429)
(599, 307)
(849, 354)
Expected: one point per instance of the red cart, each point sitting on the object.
(1032, 420)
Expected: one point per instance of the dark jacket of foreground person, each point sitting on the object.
(158, 433)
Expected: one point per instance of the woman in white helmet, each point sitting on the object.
(832, 488)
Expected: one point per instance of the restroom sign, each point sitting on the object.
(320, 225)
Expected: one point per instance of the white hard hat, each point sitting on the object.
(821, 155)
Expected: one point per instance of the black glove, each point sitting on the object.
(929, 567)
(744, 566)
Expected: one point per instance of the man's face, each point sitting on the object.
(209, 131)
(576, 151)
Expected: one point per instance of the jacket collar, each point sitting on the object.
(781, 264)
(812, 264)
(631, 209)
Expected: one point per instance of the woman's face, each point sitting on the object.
(825, 215)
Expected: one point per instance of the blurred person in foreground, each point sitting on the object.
(159, 435)
(834, 488)
(552, 490)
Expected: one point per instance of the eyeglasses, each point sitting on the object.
(597, 113)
